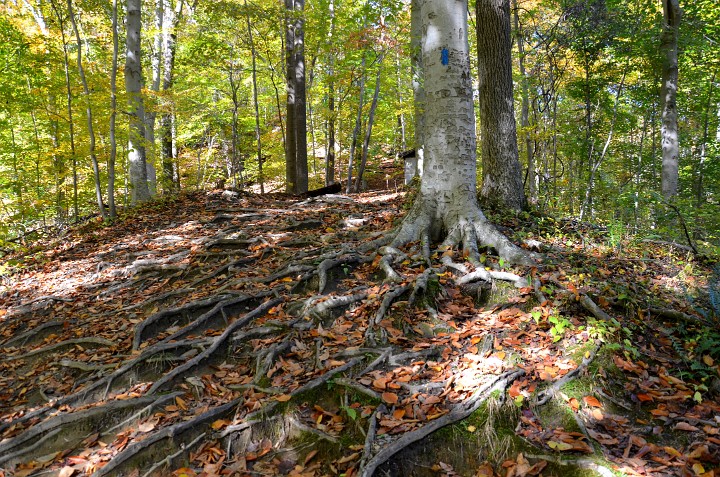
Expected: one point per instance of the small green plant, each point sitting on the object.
(616, 231)
(560, 325)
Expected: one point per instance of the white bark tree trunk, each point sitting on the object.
(668, 98)
(446, 205)
(133, 85)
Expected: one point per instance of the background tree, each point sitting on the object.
(502, 179)
(668, 97)
(136, 110)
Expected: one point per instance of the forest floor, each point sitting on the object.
(219, 333)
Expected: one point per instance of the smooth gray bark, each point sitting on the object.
(417, 85)
(113, 114)
(446, 205)
(133, 85)
(330, 152)
(668, 98)
(502, 176)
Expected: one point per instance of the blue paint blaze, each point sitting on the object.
(445, 56)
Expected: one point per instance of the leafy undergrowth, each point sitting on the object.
(224, 334)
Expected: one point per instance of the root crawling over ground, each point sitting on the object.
(239, 335)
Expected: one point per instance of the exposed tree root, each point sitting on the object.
(219, 344)
(249, 420)
(458, 413)
(185, 431)
(32, 335)
(19, 445)
(548, 393)
(89, 341)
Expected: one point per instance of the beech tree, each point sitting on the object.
(668, 97)
(446, 206)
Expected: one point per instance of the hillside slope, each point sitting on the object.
(227, 334)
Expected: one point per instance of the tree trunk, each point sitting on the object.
(301, 162)
(290, 60)
(88, 109)
(358, 124)
(368, 133)
(525, 112)
(668, 98)
(446, 204)
(502, 177)
(151, 114)
(171, 177)
(330, 152)
(71, 124)
(113, 114)
(261, 179)
(136, 110)
(296, 172)
(417, 86)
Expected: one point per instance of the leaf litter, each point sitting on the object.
(202, 263)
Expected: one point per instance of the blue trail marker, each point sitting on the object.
(445, 56)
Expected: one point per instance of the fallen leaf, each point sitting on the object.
(559, 446)
(283, 397)
(592, 401)
(684, 426)
(67, 471)
(390, 398)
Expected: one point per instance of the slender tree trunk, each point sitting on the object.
(291, 80)
(699, 192)
(358, 125)
(17, 183)
(502, 177)
(668, 98)
(525, 112)
(296, 171)
(113, 113)
(368, 133)
(171, 177)
(301, 161)
(418, 87)
(136, 110)
(587, 203)
(330, 152)
(71, 124)
(261, 179)
(89, 114)
(151, 113)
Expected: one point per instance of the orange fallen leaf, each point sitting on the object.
(283, 397)
(390, 398)
(592, 401)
